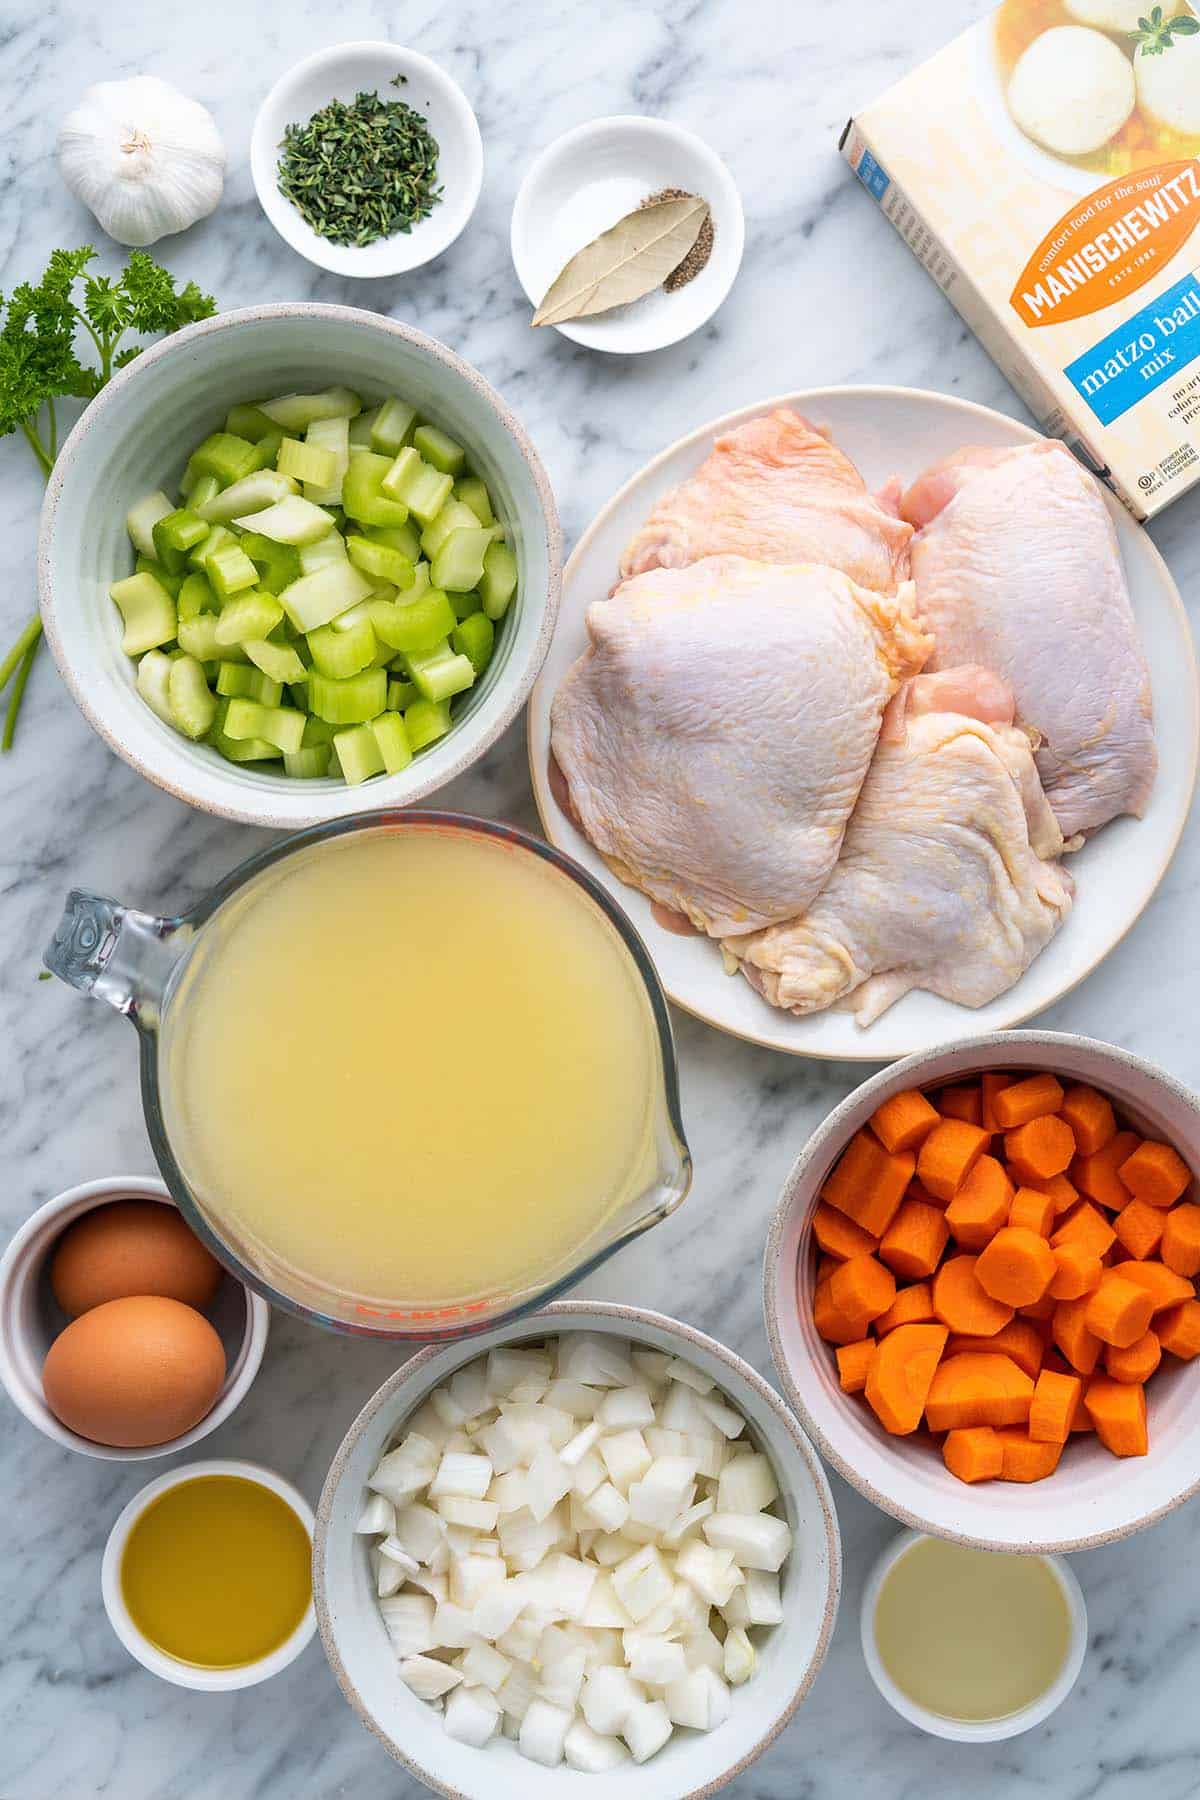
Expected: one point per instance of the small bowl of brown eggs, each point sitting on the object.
(121, 1336)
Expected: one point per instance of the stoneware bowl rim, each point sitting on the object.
(209, 789)
(990, 1049)
(575, 1314)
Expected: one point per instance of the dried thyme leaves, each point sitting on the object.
(360, 172)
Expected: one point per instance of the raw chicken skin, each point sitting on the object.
(714, 736)
(1017, 567)
(944, 880)
(777, 490)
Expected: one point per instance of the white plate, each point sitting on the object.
(896, 431)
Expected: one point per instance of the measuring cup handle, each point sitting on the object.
(115, 953)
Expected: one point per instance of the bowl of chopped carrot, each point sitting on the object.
(980, 1289)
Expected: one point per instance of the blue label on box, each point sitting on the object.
(1153, 346)
(873, 175)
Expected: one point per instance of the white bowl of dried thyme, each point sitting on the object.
(367, 159)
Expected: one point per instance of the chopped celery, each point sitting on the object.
(296, 412)
(356, 615)
(454, 516)
(250, 495)
(277, 661)
(277, 564)
(419, 624)
(392, 740)
(143, 516)
(148, 612)
(249, 422)
(417, 485)
(458, 565)
(360, 429)
(473, 493)
(230, 571)
(316, 731)
(465, 604)
(420, 580)
(397, 537)
(392, 425)
(350, 702)
(307, 763)
(278, 725)
(196, 596)
(474, 638)
(248, 615)
(342, 653)
(359, 754)
(224, 455)
(292, 520)
(200, 491)
(239, 750)
(198, 638)
(193, 708)
(362, 491)
(240, 681)
(146, 565)
(330, 548)
(400, 694)
(266, 451)
(499, 582)
(380, 561)
(218, 535)
(436, 448)
(153, 675)
(174, 535)
(317, 598)
(307, 462)
(439, 673)
(332, 435)
(425, 721)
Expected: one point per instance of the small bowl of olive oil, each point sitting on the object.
(972, 1645)
(207, 1575)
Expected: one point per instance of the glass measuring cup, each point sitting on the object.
(136, 962)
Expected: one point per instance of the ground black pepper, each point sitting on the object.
(700, 251)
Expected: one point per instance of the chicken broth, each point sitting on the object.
(413, 1068)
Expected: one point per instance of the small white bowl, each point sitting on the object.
(972, 1731)
(30, 1320)
(169, 1668)
(339, 74)
(585, 181)
(692, 1765)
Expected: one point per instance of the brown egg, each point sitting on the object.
(131, 1247)
(134, 1371)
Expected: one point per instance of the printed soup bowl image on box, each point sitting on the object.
(1044, 168)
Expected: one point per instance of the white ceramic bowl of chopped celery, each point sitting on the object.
(498, 1640)
(271, 493)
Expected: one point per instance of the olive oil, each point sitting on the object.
(217, 1572)
(971, 1634)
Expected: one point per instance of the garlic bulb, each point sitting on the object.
(143, 157)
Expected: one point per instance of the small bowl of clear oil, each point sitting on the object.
(972, 1645)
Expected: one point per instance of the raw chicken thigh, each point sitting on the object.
(943, 880)
(715, 735)
(1017, 567)
(777, 490)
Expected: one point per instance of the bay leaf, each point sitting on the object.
(630, 259)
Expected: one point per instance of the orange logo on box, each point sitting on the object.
(1110, 244)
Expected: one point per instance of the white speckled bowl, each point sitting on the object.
(692, 1765)
(1092, 1498)
(135, 436)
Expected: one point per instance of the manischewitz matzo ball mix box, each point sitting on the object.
(1044, 169)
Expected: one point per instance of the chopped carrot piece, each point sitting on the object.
(1020, 1339)
(1164, 1284)
(915, 1191)
(991, 1086)
(1137, 1361)
(912, 1306)
(963, 1304)
(868, 1183)
(1178, 1328)
(1032, 1210)
(900, 1375)
(981, 1205)
(1017, 1266)
(1032, 1098)
(1118, 1411)
(977, 1389)
(1181, 1238)
(948, 1155)
(1080, 1346)
(825, 1267)
(1064, 1193)
(1056, 1400)
(1091, 1118)
(839, 1236)
(1024, 1458)
(861, 1289)
(1139, 1228)
(902, 1122)
(964, 1102)
(1077, 1271)
(1155, 1173)
(1042, 1309)
(832, 1325)
(853, 1361)
(1096, 1175)
(973, 1453)
(913, 1243)
(1040, 1150)
(1119, 1311)
(1083, 1418)
(1085, 1225)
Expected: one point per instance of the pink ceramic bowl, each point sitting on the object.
(1092, 1498)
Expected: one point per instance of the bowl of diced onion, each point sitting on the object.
(299, 559)
(593, 1546)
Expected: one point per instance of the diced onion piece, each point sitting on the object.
(708, 1569)
(739, 1657)
(653, 1659)
(389, 1576)
(533, 1424)
(696, 1379)
(473, 1576)
(747, 1485)
(624, 1409)
(501, 1445)
(763, 1604)
(524, 1540)
(547, 1482)
(665, 1443)
(700, 1700)
(507, 1367)
(596, 1359)
(587, 1475)
(626, 1457)
(606, 1508)
(573, 1453)
(666, 1489)
(562, 1677)
(703, 1650)
(641, 1583)
(543, 1733)
(419, 1530)
(427, 1677)
(609, 1696)
(516, 1691)
(404, 1472)
(686, 1523)
(735, 1611)
(408, 1621)
(394, 1550)
(603, 1608)
(507, 1491)
(653, 1364)
(572, 1397)
(585, 1750)
(466, 1475)
(483, 1666)
(521, 1640)
(646, 1729)
(472, 1716)
(756, 1540)
(476, 1515)
(447, 1408)
(453, 1627)
(729, 1423)
(572, 1582)
(469, 1388)
(497, 1610)
(378, 1515)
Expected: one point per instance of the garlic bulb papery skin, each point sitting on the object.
(143, 157)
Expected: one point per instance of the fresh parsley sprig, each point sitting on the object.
(1155, 34)
(39, 364)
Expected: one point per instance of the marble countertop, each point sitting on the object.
(827, 294)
